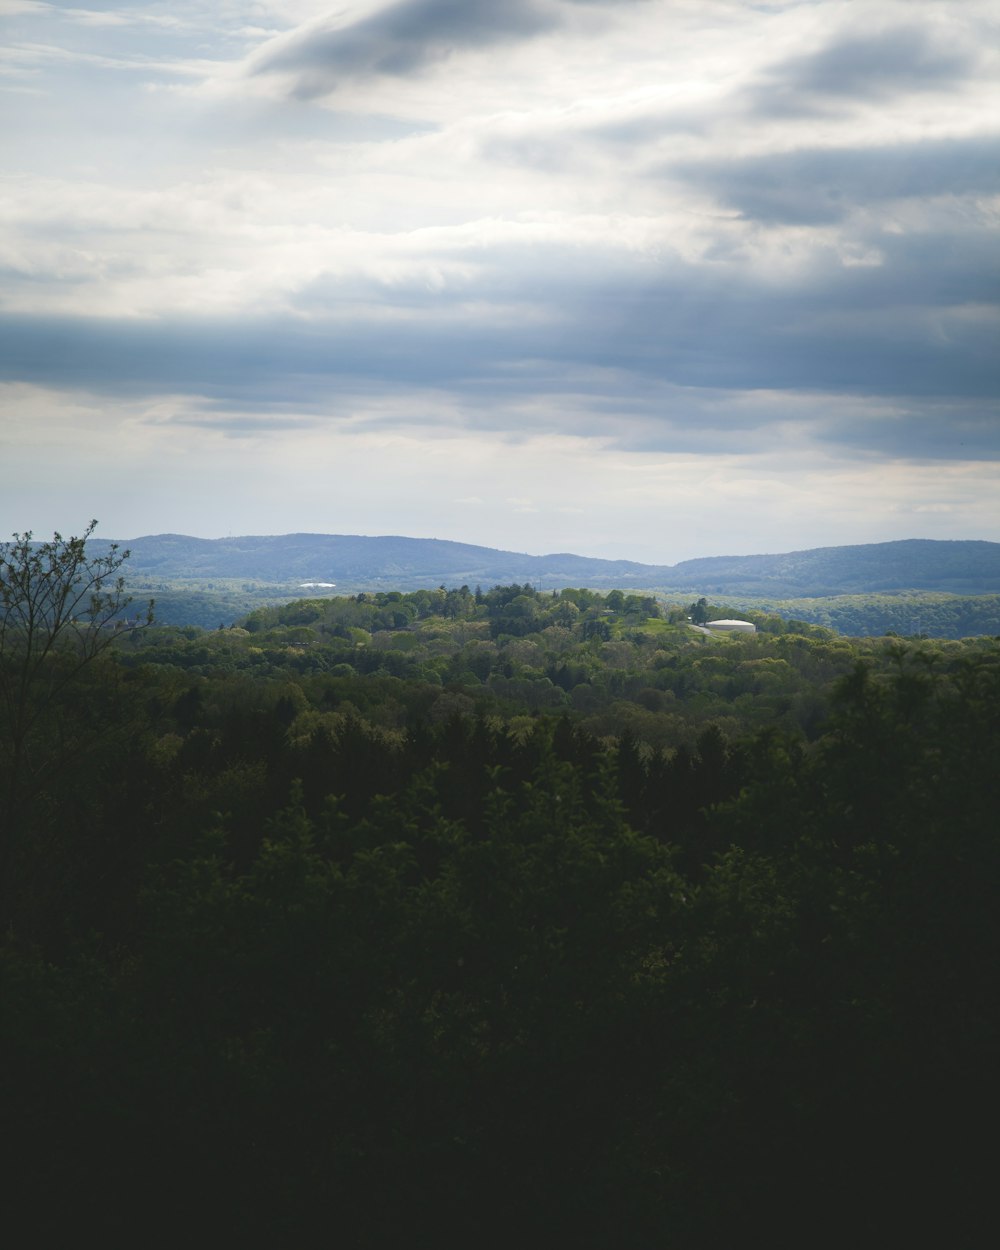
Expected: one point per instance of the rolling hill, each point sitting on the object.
(392, 562)
(958, 567)
(389, 561)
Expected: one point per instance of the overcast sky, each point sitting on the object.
(645, 278)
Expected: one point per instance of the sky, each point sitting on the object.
(647, 279)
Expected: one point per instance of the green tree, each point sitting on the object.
(60, 609)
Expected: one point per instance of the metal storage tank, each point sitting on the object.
(732, 627)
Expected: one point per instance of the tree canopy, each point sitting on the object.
(375, 915)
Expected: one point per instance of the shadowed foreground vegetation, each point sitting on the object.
(454, 918)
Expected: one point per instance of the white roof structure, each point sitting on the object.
(738, 627)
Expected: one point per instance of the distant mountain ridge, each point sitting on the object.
(967, 567)
(354, 557)
(962, 566)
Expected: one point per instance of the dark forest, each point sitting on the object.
(492, 917)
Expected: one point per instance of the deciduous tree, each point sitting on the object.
(60, 608)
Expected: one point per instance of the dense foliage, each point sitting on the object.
(213, 602)
(508, 918)
(931, 614)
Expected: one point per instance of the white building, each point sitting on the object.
(732, 627)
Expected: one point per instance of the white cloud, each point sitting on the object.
(135, 466)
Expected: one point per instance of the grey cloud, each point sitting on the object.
(699, 422)
(241, 425)
(741, 337)
(239, 362)
(816, 185)
(401, 39)
(905, 58)
(928, 271)
(929, 433)
(617, 332)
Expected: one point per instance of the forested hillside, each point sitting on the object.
(358, 559)
(959, 567)
(518, 918)
(372, 563)
(210, 604)
(926, 613)
(852, 590)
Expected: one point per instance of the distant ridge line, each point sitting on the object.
(959, 566)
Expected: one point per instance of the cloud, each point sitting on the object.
(916, 58)
(933, 432)
(672, 370)
(398, 40)
(238, 425)
(143, 471)
(818, 185)
(728, 236)
(406, 38)
(870, 66)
